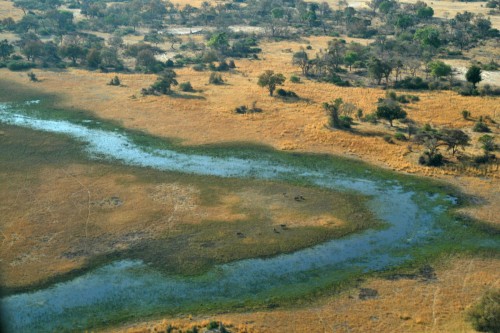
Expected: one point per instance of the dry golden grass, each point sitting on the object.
(207, 116)
(402, 306)
(7, 9)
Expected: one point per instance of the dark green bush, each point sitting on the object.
(20, 65)
(286, 93)
(186, 87)
(294, 79)
(412, 83)
(481, 127)
(400, 136)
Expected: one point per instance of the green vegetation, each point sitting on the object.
(485, 315)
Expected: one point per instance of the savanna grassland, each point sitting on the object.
(62, 214)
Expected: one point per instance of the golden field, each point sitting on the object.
(83, 196)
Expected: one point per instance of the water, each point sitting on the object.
(128, 287)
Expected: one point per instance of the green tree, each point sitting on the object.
(219, 42)
(428, 36)
(454, 138)
(473, 75)
(6, 49)
(165, 81)
(72, 51)
(350, 58)
(390, 110)
(439, 69)
(271, 81)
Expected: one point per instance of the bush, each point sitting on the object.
(431, 160)
(412, 83)
(114, 81)
(388, 138)
(32, 77)
(231, 64)
(466, 114)
(481, 127)
(483, 159)
(20, 65)
(371, 118)
(186, 87)
(346, 122)
(488, 90)
(169, 63)
(400, 136)
(294, 79)
(286, 93)
(199, 67)
(215, 78)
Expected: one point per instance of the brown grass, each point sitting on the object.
(7, 9)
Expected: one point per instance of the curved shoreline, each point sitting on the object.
(137, 288)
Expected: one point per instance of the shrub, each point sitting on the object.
(223, 66)
(199, 67)
(481, 127)
(488, 142)
(488, 90)
(169, 63)
(431, 159)
(413, 83)
(215, 78)
(114, 81)
(186, 87)
(212, 325)
(388, 138)
(20, 65)
(483, 159)
(400, 136)
(231, 64)
(466, 114)
(286, 93)
(294, 79)
(371, 118)
(346, 121)
(32, 77)
(359, 114)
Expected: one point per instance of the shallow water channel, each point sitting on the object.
(415, 219)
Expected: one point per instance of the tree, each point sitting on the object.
(439, 69)
(350, 58)
(6, 49)
(271, 81)
(219, 42)
(33, 49)
(301, 59)
(93, 58)
(473, 75)
(390, 110)
(333, 112)
(164, 82)
(72, 51)
(454, 138)
(146, 59)
(428, 36)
